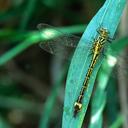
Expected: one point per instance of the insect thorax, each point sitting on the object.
(104, 33)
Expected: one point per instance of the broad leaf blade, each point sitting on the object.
(107, 17)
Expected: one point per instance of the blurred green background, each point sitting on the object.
(32, 82)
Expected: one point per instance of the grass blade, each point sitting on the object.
(108, 17)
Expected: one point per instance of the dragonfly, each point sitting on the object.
(97, 49)
(59, 43)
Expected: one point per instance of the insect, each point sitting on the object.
(96, 50)
(56, 42)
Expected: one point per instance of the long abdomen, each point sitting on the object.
(86, 81)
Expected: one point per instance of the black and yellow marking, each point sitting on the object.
(96, 50)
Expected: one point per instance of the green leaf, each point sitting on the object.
(27, 13)
(50, 102)
(112, 100)
(4, 123)
(119, 121)
(107, 17)
(18, 49)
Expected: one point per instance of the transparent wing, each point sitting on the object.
(57, 42)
